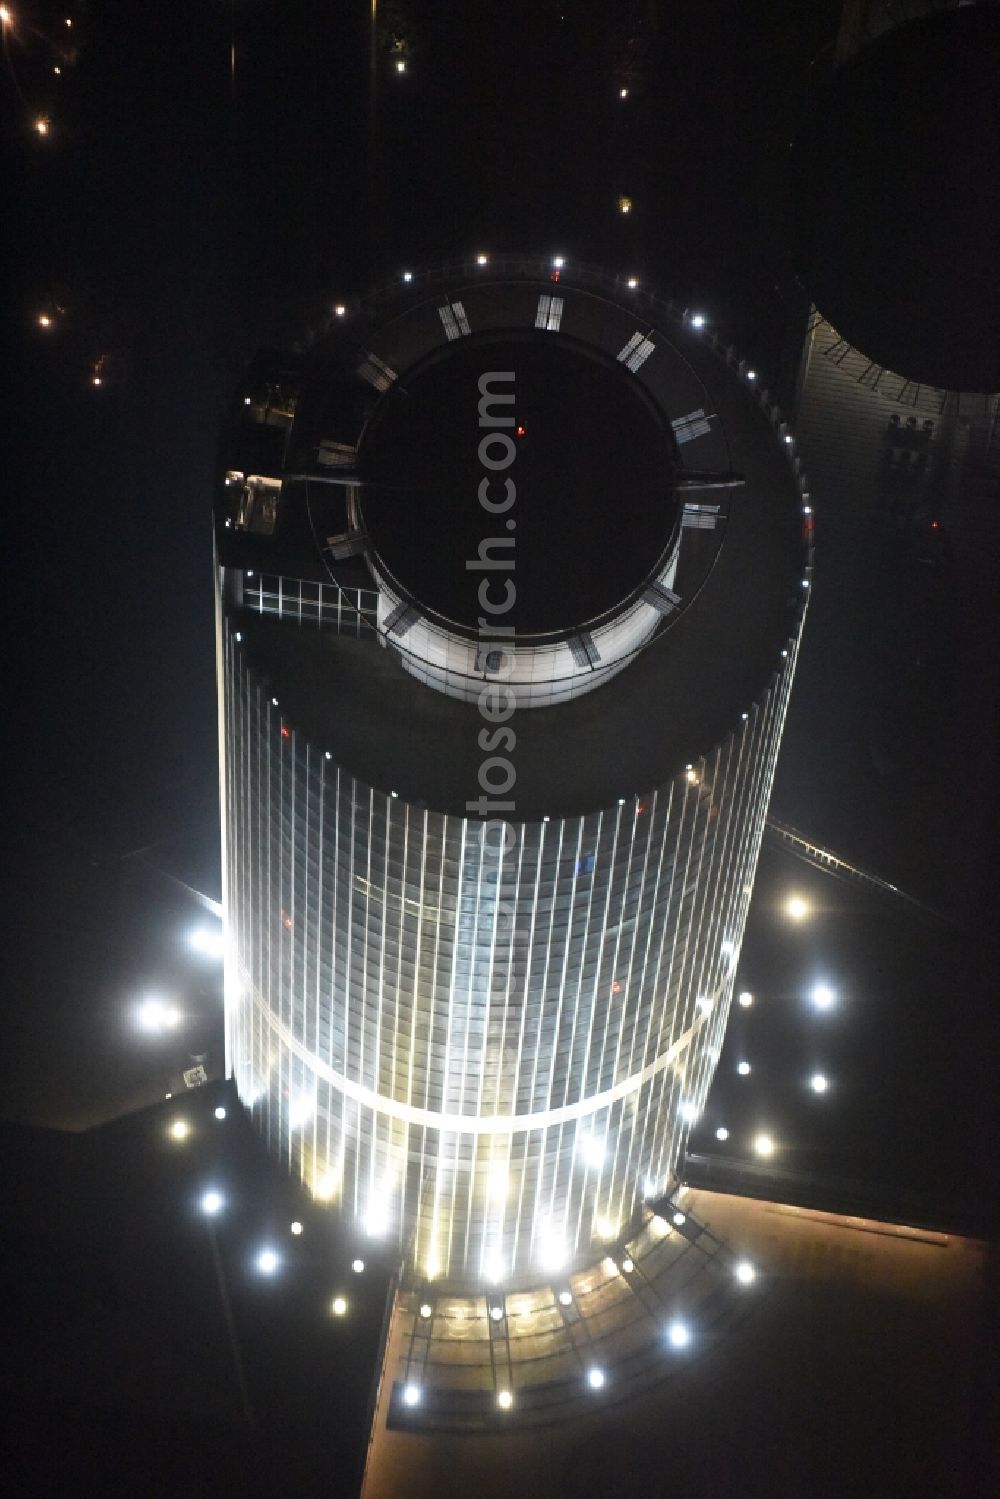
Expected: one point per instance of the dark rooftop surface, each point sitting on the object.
(898, 224)
(121, 1362)
(592, 477)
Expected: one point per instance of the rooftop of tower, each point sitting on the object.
(608, 460)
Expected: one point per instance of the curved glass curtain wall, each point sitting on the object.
(493, 1096)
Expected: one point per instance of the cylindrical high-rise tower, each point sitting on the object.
(512, 566)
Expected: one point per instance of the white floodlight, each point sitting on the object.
(592, 1151)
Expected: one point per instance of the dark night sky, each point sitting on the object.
(180, 230)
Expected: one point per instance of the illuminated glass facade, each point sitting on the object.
(485, 1047)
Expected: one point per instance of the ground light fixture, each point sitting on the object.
(203, 939)
(763, 1145)
(155, 1016)
(745, 1273)
(823, 996)
(722, 1133)
(267, 1261)
(678, 1334)
(796, 908)
(505, 1399)
(220, 1112)
(426, 1310)
(338, 1306)
(565, 1298)
(358, 1266)
(743, 1068)
(595, 1377)
(411, 1394)
(211, 1203)
(179, 1129)
(745, 999)
(818, 1082)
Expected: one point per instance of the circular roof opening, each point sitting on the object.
(591, 462)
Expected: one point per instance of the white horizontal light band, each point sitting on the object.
(493, 1124)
